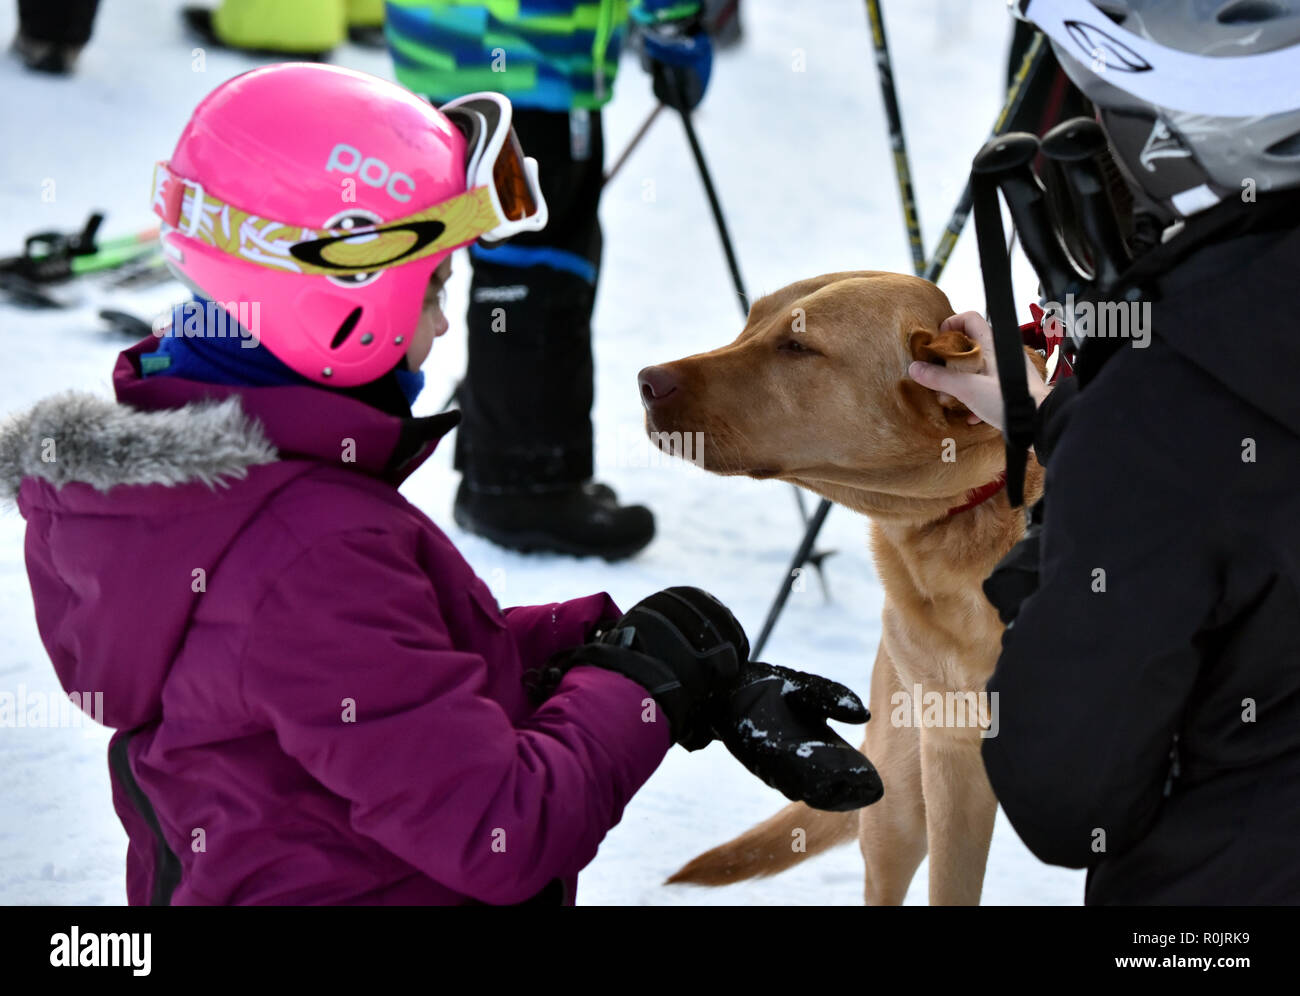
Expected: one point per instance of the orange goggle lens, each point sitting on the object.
(511, 180)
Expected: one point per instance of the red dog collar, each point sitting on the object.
(980, 495)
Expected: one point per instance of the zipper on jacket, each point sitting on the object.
(167, 867)
(1175, 767)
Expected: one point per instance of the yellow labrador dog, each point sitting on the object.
(815, 391)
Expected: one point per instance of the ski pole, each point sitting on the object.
(902, 164)
(814, 558)
(1078, 147)
(723, 18)
(1033, 58)
(915, 245)
(801, 557)
(716, 207)
(733, 265)
(1015, 97)
(631, 146)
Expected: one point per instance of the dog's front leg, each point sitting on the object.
(891, 832)
(959, 809)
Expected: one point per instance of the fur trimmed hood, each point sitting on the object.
(133, 506)
(118, 571)
(79, 437)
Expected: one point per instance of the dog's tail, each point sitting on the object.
(795, 833)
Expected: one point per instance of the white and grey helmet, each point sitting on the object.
(1200, 98)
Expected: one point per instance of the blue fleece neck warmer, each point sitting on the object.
(205, 344)
(411, 382)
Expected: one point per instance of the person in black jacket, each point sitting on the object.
(1150, 686)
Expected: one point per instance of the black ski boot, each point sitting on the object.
(585, 520)
(45, 56)
(52, 35)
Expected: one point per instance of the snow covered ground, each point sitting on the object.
(795, 135)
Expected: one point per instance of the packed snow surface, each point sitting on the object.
(796, 138)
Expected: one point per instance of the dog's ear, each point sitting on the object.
(948, 348)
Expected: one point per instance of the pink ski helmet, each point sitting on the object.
(327, 198)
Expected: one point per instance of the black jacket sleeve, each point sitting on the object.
(1015, 577)
(1098, 665)
(1052, 417)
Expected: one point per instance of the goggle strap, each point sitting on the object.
(265, 242)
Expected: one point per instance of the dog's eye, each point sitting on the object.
(795, 346)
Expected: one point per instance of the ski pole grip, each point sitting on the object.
(1007, 161)
(1077, 147)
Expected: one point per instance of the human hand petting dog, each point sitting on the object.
(691, 654)
(980, 390)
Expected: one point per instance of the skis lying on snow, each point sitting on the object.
(44, 274)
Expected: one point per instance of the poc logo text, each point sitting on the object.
(373, 172)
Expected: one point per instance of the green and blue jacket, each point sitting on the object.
(553, 55)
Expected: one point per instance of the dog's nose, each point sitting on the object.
(656, 384)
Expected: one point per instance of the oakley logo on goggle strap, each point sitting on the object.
(372, 247)
(373, 172)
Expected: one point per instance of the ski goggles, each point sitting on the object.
(494, 159)
(503, 199)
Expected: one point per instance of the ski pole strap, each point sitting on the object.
(1008, 348)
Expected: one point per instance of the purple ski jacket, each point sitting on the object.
(316, 699)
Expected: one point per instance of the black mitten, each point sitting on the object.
(681, 644)
(773, 720)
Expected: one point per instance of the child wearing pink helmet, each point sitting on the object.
(316, 699)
